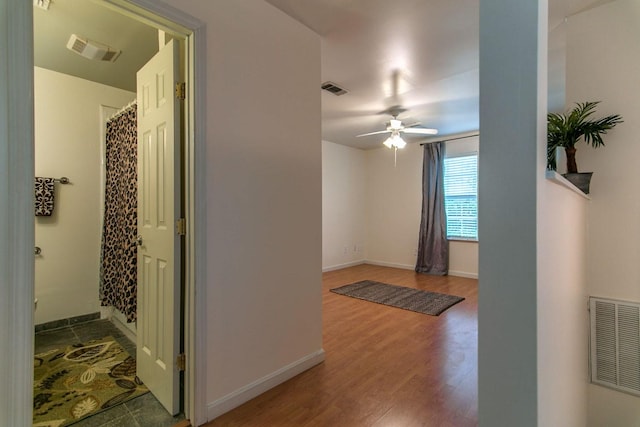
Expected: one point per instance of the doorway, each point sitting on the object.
(75, 179)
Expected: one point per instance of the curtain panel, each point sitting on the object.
(118, 255)
(433, 246)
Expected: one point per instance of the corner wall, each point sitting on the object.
(512, 121)
(344, 210)
(16, 210)
(67, 143)
(394, 204)
(613, 247)
(264, 201)
(371, 209)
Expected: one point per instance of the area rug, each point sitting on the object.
(82, 380)
(417, 300)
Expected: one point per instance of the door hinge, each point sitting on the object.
(181, 90)
(181, 362)
(181, 227)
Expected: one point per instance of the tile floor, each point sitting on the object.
(143, 411)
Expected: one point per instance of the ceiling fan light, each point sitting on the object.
(399, 142)
(388, 142)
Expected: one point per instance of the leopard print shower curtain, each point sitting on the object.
(118, 256)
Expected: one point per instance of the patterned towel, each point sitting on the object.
(44, 196)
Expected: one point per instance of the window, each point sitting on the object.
(461, 196)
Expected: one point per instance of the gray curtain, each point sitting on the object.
(433, 246)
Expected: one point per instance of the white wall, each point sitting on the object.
(264, 201)
(613, 267)
(562, 301)
(394, 205)
(67, 143)
(344, 210)
(463, 258)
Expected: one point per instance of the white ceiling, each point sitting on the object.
(432, 43)
(88, 19)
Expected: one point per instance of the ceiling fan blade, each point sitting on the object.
(373, 133)
(421, 131)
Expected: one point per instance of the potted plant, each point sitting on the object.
(565, 130)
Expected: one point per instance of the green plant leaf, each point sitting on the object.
(566, 130)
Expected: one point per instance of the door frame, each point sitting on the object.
(192, 30)
(16, 203)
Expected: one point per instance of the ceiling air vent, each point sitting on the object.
(92, 50)
(333, 88)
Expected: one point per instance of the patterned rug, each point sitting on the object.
(417, 300)
(81, 381)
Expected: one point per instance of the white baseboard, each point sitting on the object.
(391, 264)
(341, 266)
(119, 320)
(411, 267)
(126, 328)
(248, 392)
(463, 274)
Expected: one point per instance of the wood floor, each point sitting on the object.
(384, 366)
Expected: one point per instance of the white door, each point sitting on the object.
(158, 209)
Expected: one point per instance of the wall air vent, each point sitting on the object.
(333, 88)
(615, 344)
(91, 49)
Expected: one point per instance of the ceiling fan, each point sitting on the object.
(396, 127)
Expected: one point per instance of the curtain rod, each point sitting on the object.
(452, 137)
(123, 109)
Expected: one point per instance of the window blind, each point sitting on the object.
(461, 196)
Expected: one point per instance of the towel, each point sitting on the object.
(44, 196)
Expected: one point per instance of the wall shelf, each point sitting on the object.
(556, 178)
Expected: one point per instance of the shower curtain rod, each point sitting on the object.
(123, 109)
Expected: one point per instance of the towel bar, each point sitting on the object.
(63, 180)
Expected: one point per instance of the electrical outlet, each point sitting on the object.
(346, 250)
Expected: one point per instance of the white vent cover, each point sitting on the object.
(333, 88)
(615, 344)
(91, 49)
